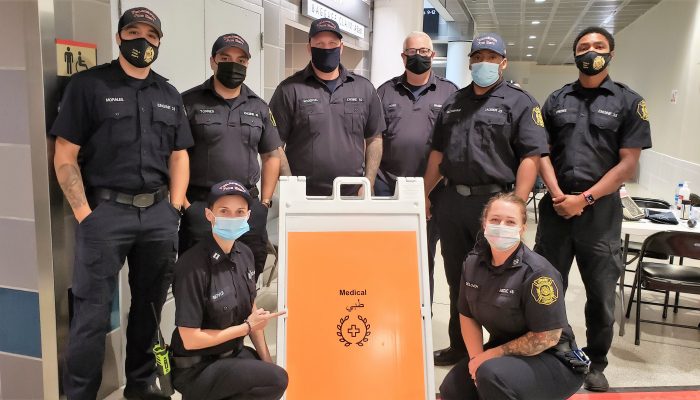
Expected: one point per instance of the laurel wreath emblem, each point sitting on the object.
(360, 342)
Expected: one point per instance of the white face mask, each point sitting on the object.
(502, 237)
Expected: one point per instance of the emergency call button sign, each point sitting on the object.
(72, 56)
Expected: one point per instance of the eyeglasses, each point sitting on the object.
(425, 52)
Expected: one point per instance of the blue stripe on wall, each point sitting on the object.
(20, 329)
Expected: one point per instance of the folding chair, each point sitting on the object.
(666, 277)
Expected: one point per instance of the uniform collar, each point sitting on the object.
(514, 261)
(496, 91)
(246, 93)
(401, 80)
(344, 76)
(607, 84)
(118, 74)
(216, 255)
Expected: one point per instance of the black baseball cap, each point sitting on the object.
(488, 41)
(324, 25)
(140, 14)
(228, 188)
(230, 40)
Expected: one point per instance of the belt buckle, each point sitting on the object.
(144, 200)
(464, 190)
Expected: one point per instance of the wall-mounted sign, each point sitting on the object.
(72, 56)
(314, 9)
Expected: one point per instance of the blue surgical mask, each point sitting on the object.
(485, 74)
(230, 228)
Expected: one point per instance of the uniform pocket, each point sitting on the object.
(117, 120)
(165, 122)
(490, 128)
(252, 127)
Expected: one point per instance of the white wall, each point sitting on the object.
(654, 55)
(540, 80)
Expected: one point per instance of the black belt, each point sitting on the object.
(480, 190)
(187, 362)
(197, 193)
(141, 200)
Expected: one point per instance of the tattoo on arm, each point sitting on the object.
(72, 185)
(531, 343)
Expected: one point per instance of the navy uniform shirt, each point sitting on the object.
(588, 127)
(325, 132)
(409, 124)
(483, 138)
(126, 128)
(228, 137)
(213, 290)
(523, 295)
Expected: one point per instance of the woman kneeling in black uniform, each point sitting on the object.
(214, 292)
(515, 294)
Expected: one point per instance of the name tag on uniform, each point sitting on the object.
(306, 101)
(217, 296)
(493, 109)
(563, 110)
(165, 106)
(114, 99)
(205, 111)
(251, 114)
(454, 110)
(506, 291)
(354, 100)
(608, 113)
(471, 285)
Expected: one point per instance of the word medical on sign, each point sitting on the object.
(316, 10)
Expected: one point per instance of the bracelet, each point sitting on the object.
(250, 328)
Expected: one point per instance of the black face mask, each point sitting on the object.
(325, 60)
(592, 63)
(418, 64)
(231, 74)
(138, 52)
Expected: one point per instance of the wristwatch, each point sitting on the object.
(588, 197)
(267, 203)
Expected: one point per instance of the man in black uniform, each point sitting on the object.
(215, 310)
(488, 137)
(597, 130)
(330, 118)
(231, 125)
(411, 104)
(129, 127)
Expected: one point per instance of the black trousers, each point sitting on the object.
(241, 377)
(195, 227)
(594, 239)
(540, 377)
(147, 238)
(382, 188)
(458, 219)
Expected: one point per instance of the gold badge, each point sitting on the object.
(149, 54)
(598, 63)
(545, 291)
(537, 117)
(272, 118)
(642, 110)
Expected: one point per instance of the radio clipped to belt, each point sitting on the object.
(573, 358)
(161, 353)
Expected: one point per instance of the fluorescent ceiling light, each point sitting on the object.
(535, 22)
(532, 37)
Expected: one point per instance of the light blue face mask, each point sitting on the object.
(485, 74)
(230, 228)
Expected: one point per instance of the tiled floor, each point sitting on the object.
(667, 356)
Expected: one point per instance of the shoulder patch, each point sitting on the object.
(537, 116)
(544, 291)
(272, 118)
(642, 110)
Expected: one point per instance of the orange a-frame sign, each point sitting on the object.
(356, 326)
